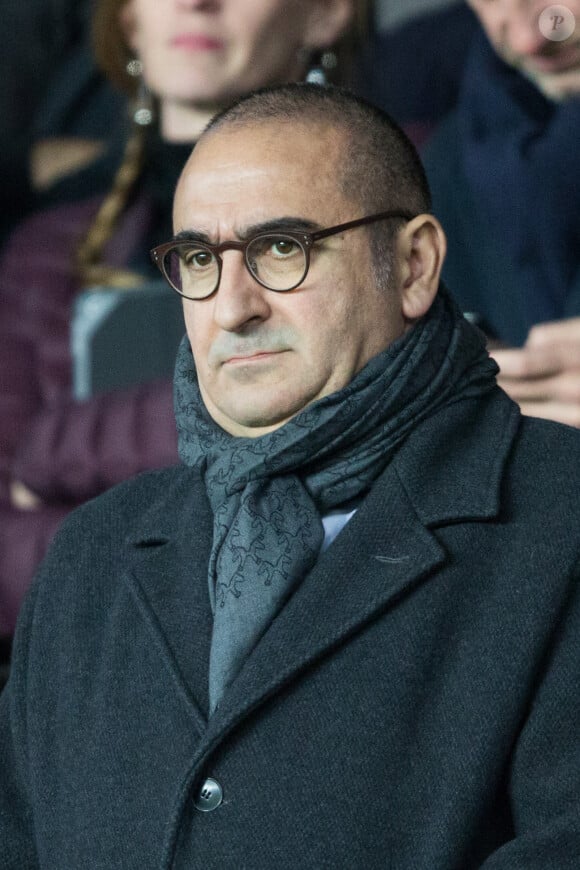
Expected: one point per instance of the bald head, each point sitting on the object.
(375, 165)
(380, 167)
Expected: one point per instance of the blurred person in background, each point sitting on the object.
(58, 110)
(181, 61)
(418, 95)
(41, 33)
(505, 175)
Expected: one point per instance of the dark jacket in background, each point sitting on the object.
(414, 71)
(415, 705)
(50, 88)
(504, 170)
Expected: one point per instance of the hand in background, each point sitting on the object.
(561, 86)
(543, 376)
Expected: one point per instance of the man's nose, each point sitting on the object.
(522, 32)
(239, 299)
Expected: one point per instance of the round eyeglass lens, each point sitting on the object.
(193, 270)
(278, 262)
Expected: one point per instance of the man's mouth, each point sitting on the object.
(255, 357)
(561, 62)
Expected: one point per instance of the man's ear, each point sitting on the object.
(421, 247)
(328, 20)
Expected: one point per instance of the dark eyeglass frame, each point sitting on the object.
(304, 239)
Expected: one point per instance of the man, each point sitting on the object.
(345, 632)
(505, 175)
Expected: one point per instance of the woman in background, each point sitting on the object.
(180, 61)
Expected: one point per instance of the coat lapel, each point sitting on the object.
(450, 469)
(379, 557)
(167, 559)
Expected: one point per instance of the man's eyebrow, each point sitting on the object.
(192, 236)
(283, 224)
(288, 224)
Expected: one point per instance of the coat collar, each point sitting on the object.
(166, 563)
(449, 469)
(452, 467)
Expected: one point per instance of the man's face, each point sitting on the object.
(521, 37)
(263, 356)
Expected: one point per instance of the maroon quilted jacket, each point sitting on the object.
(64, 451)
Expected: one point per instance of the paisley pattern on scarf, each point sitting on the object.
(268, 493)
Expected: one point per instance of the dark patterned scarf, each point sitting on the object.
(268, 493)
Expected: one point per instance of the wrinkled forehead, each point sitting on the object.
(307, 145)
(262, 169)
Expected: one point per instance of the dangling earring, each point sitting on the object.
(143, 106)
(322, 64)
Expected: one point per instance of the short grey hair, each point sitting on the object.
(381, 169)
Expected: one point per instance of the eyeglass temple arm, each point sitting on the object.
(384, 215)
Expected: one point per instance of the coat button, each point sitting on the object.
(209, 796)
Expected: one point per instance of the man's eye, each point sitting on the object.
(283, 248)
(197, 259)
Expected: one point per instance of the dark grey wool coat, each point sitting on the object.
(415, 706)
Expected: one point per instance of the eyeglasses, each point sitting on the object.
(278, 261)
